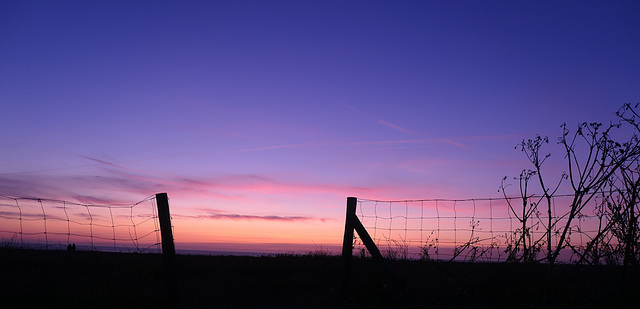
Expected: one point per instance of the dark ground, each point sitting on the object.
(32, 278)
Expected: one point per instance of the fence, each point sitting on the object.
(483, 229)
(40, 223)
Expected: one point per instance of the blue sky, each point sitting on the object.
(285, 108)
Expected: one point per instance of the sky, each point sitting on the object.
(259, 118)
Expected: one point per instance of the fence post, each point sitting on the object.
(347, 242)
(168, 247)
(352, 223)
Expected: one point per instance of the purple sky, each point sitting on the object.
(268, 114)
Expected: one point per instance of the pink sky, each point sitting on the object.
(260, 119)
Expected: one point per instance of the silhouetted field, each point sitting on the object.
(32, 278)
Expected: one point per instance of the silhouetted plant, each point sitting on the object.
(531, 148)
(397, 249)
(357, 243)
(471, 250)
(10, 243)
(429, 244)
(320, 251)
(599, 169)
(587, 177)
(424, 253)
(522, 240)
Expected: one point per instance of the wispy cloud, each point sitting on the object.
(292, 145)
(84, 189)
(95, 200)
(16, 216)
(460, 142)
(409, 142)
(245, 217)
(117, 186)
(385, 123)
(452, 143)
(102, 162)
(397, 127)
(352, 108)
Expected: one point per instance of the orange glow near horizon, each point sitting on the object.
(261, 124)
(410, 225)
(225, 230)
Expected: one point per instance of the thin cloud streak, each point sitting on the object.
(457, 142)
(102, 162)
(244, 217)
(232, 187)
(293, 145)
(397, 127)
(329, 143)
(407, 142)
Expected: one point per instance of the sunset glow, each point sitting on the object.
(259, 119)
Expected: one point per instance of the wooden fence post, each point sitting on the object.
(353, 223)
(168, 248)
(347, 242)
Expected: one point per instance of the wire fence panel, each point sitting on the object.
(482, 229)
(27, 222)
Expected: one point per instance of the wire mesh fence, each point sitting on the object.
(27, 222)
(481, 229)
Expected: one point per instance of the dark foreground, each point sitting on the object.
(31, 278)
